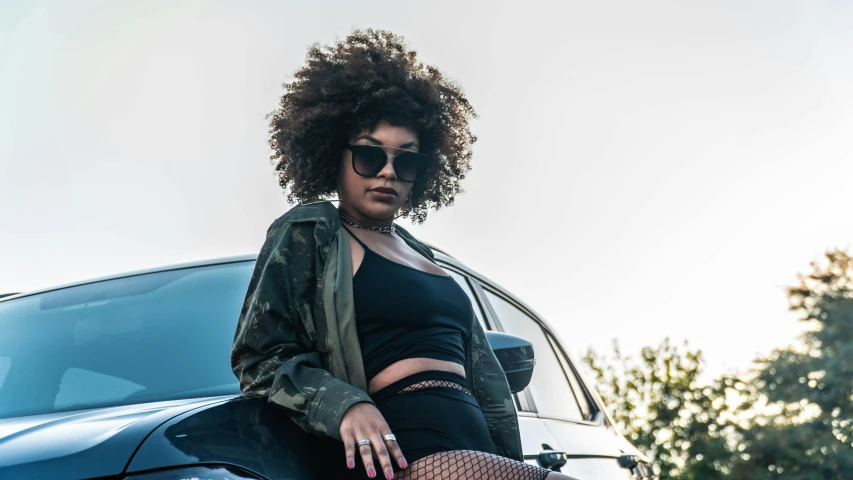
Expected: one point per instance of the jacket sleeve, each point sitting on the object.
(490, 387)
(274, 353)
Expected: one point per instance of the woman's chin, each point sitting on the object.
(381, 211)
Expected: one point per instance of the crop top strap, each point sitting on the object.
(355, 237)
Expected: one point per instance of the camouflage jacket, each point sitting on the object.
(296, 341)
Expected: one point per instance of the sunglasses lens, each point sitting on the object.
(368, 161)
(407, 166)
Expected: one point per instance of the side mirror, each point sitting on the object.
(515, 356)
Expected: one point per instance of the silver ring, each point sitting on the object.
(363, 442)
(390, 436)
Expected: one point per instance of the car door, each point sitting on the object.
(566, 417)
(597, 433)
(532, 428)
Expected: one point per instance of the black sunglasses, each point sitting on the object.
(369, 160)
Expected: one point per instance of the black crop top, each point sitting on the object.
(402, 312)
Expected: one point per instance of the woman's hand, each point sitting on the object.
(363, 421)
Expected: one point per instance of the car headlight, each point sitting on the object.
(196, 473)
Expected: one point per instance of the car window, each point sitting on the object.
(82, 387)
(5, 365)
(143, 338)
(551, 392)
(467, 288)
(573, 379)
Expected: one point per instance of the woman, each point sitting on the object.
(348, 323)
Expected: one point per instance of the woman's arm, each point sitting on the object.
(274, 354)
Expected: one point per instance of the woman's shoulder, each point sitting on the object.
(320, 215)
(293, 239)
(321, 211)
(303, 229)
(414, 242)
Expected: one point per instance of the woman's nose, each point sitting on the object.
(388, 170)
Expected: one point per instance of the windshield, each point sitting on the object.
(152, 337)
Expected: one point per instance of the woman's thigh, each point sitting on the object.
(473, 465)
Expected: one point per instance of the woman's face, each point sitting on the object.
(376, 200)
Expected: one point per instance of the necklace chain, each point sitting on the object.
(346, 219)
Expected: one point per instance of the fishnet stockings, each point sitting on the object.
(470, 465)
(433, 383)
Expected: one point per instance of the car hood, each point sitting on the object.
(83, 443)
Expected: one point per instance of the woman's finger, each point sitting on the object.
(349, 448)
(366, 452)
(382, 455)
(394, 450)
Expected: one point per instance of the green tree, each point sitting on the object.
(806, 429)
(660, 405)
(791, 417)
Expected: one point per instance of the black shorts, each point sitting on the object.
(437, 418)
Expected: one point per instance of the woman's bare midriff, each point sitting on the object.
(410, 366)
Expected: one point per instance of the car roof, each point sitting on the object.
(177, 266)
(440, 255)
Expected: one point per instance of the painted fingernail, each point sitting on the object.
(350, 464)
(404, 464)
(371, 472)
(389, 474)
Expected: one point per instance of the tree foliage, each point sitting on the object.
(810, 385)
(790, 417)
(661, 406)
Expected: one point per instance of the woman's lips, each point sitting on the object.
(384, 194)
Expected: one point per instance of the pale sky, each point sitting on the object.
(643, 169)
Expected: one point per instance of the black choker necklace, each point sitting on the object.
(346, 219)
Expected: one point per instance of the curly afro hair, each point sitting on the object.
(350, 86)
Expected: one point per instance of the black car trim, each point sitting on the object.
(585, 423)
(576, 456)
